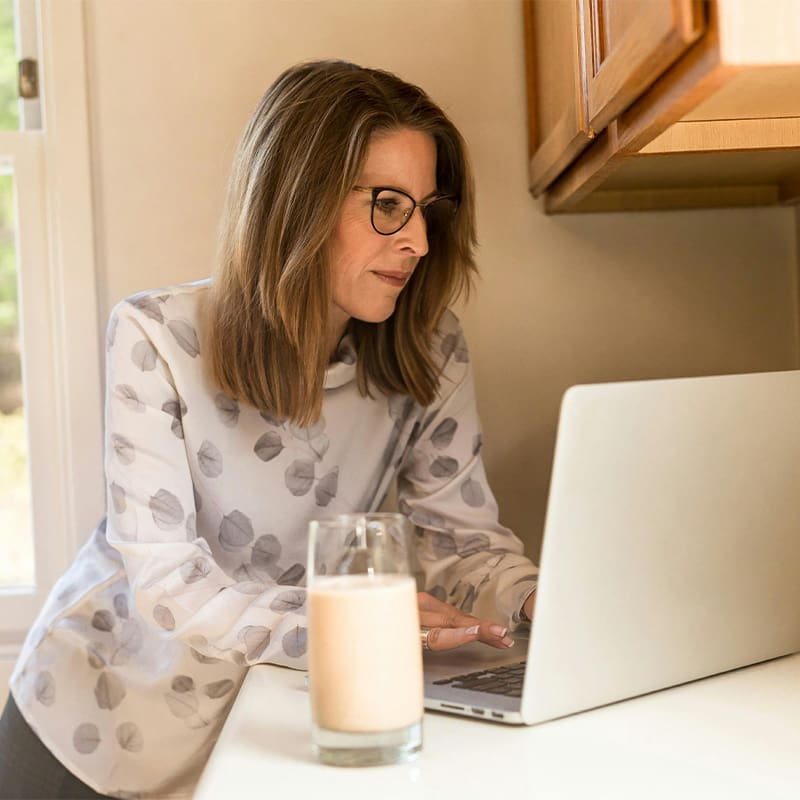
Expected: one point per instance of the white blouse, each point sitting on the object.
(198, 570)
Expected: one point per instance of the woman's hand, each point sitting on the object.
(450, 628)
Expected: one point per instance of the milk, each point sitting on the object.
(365, 659)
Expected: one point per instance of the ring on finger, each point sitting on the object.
(424, 631)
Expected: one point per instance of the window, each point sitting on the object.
(50, 397)
(16, 530)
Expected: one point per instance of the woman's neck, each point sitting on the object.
(337, 326)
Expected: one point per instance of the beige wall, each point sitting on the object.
(5, 674)
(562, 300)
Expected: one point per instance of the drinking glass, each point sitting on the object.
(365, 659)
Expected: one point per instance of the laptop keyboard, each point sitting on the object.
(505, 680)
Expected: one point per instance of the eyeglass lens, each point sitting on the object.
(391, 210)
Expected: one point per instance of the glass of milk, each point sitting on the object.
(365, 658)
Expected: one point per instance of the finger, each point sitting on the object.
(450, 638)
(495, 635)
(489, 633)
(451, 618)
(436, 614)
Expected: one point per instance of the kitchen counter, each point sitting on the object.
(735, 735)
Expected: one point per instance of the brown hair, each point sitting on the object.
(266, 316)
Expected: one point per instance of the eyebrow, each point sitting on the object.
(429, 196)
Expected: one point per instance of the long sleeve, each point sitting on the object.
(468, 558)
(177, 585)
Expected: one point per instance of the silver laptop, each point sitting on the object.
(671, 549)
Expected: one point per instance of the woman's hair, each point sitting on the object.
(266, 318)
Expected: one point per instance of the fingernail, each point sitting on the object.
(473, 630)
(498, 630)
(508, 642)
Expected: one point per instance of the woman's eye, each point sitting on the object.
(389, 208)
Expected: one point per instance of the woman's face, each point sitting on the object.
(368, 271)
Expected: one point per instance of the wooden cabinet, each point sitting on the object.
(645, 104)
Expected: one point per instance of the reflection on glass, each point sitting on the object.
(9, 110)
(16, 540)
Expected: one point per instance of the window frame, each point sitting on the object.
(59, 320)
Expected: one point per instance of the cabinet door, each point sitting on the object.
(558, 127)
(629, 43)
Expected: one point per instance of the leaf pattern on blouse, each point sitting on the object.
(454, 344)
(185, 335)
(182, 683)
(199, 570)
(326, 488)
(299, 477)
(191, 526)
(144, 355)
(256, 639)
(293, 576)
(176, 409)
(127, 394)
(195, 570)
(472, 493)
(118, 499)
(129, 737)
(166, 509)
(98, 654)
(295, 642)
(443, 433)
(128, 643)
(123, 449)
(266, 552)
(121, 606)
(109, 691)
(227, 410)
(45, 688)
(444, 467)
(235, 531)
(444, 544)
(148, 306)
(218, 689)
(290, 600)
(163, 616)
(86, 738)
(209, 460)
(181, 704)
(268, 446)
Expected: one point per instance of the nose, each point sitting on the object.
(413, 236)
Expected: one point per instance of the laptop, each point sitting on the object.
(671, 549)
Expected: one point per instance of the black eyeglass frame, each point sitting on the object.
(376, 190)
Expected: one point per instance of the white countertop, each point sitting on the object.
(732, 736)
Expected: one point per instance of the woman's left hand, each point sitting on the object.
(449, 628)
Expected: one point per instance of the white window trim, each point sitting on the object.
(26, 29)
(72, 261)
(70, 464)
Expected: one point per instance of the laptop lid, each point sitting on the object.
(672, 539)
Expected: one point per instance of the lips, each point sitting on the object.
(396, 279)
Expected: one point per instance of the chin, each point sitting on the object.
(375, 315)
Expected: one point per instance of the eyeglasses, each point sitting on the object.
(392, 209)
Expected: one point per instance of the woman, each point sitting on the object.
(318, 366)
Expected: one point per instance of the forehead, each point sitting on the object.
(405, 159)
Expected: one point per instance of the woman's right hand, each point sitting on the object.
(449, 628)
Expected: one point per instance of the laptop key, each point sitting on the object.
(505, 680)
